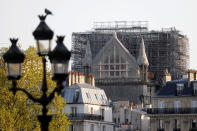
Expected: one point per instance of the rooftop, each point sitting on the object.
(170, 89)
(85, 94)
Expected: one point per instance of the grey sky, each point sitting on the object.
(19, 17)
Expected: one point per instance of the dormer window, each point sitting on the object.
(195, 88)
(179, 89)
(76, 96)
(102, 97)
(88, 95)
(96, 95)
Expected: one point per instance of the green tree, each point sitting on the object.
(18, 112)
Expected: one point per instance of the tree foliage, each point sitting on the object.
(18, 112)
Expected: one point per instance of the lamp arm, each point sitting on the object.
(58, 89)
(52, 95)
(27, 93)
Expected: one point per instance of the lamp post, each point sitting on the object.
(59, 58)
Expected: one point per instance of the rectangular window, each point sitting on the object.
(117, 73)
(114, 120)
(111, 73)
(117, 67)
(123, 67)
(193, 123)
(91, 110)
(160, 104)
(193, 106)
(103, 113)
(125, 114)
(105, 67)
(160, 124)
(179, 88)
(195, 88)
(111, 67)
(177, 105)
(74, 110)
(176, 123)
(92, 127)
(104, 128)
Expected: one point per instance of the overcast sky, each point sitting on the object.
(19, 17)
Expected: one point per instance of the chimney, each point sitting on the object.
(190, 74)
(167, 76)
(73, 78)
(76, 77)
(69, 78)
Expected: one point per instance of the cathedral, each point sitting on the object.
(118, 72)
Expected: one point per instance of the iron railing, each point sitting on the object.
(193, 129)
(176, 129)
(83, 116)
(160, 129)
(172, 111)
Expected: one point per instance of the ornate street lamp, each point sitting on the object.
(59, 57)
(13, 59)
(43, 36)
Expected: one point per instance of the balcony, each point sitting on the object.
(160, 129)
(193, 129)
(176, 129)
(82, 116)
(172, 111)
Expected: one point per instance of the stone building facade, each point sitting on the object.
(87, 108)
(120, 74)
(175, 106)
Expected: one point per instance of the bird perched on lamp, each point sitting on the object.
(48, 12)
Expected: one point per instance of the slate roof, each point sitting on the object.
(85, 94)
(169, 89)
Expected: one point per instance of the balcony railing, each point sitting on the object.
(176, 129)
(172, 111)
(82, 116)
(193, 129)
(160, 129)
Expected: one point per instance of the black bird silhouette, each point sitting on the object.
(48, 12)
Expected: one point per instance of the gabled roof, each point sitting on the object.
(169, 90)
(114, 40)
(142, 58)
(85, 94)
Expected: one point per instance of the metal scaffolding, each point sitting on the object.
(166, 49)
